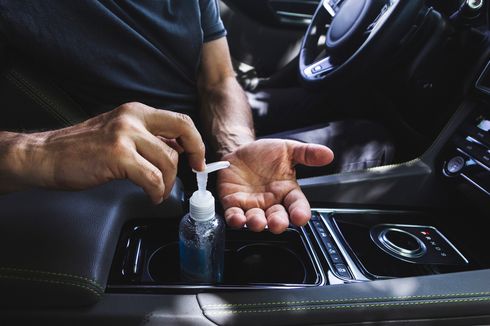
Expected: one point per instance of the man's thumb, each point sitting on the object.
(310, 154)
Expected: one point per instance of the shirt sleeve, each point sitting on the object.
(211, 23)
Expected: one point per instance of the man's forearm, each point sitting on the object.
(226, 115)
(18, 154)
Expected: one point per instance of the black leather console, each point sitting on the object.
(57, 247)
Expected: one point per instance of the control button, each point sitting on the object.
(443, 254)
(401, 243)
(483, 157)
(438, 248)
(470, 148)
(484, 125)
(478, 134)
(314, 216)
(454, 166)
(403, 240)
(336, 259)
(332, 251)
(317, 225)
(329, 245)
(342, 271)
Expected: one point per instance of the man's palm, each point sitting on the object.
(260, 187)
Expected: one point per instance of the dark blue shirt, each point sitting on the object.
(105, 53)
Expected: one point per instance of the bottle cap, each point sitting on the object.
(202, 201)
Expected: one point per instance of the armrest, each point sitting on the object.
(447, 298)
(57, 246)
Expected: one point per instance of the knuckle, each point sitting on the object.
(185, 119)
(120, 123)
(128, 107)
(173, 157)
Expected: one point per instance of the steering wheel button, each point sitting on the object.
(317, 68)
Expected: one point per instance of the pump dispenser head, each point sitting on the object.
(202, 201)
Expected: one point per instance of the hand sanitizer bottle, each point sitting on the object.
(202, 234)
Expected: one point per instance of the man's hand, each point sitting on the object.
(133, 141)
(260, 187)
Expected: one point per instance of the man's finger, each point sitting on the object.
(172, 143)
(147, 176)
(298, 207)
(277, 219)
(161, 155)
(256, 219)
(235, 217)
(310, 154)
(173, 125)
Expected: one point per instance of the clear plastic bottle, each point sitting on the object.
(202, 234)
(202, 245)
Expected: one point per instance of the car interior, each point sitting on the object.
(403, 243)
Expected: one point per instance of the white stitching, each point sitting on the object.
(431, 296)
(227, 312)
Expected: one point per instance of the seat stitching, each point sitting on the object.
(40, 94)
(91, 281)
(35, 96)
(352, 306)
(341, 300)
(98, 294)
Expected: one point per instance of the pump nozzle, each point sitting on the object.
(202, 176)
(202, 202)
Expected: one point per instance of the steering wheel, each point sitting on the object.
(355, 35)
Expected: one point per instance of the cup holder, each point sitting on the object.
(264, 263)
(164, 264)
(252, 259)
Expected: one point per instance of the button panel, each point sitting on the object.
(329, 247)
(468, 157)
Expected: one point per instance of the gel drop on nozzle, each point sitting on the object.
(202, 234)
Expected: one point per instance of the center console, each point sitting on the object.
(336, 246)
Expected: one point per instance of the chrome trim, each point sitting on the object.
(293, 14)
(478, 86)
(422, 250)
(138, 256)
(328, 7)
(162, 288)
(467, 178)
(475, 184)
(308, 71)
(311, 251)
(473, 158)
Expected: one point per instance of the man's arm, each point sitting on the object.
(260, 188)
(224, 107)
(134, 141)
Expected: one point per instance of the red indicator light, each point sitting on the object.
(425, 232)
